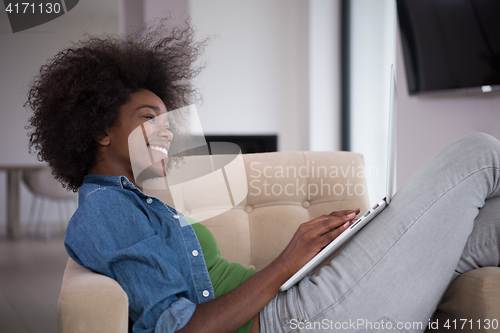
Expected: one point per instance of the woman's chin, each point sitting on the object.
(156, 170)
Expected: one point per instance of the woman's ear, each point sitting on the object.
(103, 140)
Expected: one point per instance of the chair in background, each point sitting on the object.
(46, 189)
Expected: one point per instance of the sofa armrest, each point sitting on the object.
(472, 296)
(90, 302)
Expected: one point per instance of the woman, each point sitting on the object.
(88, 101)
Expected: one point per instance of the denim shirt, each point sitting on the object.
(146, 246)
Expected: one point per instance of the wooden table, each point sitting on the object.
(13, 195)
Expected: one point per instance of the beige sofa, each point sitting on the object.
(284, 190)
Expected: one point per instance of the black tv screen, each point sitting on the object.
(450, 44)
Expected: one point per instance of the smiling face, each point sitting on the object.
(137, 145)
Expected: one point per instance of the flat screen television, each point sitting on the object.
(249, 144)
(450, 44)
(246, 144)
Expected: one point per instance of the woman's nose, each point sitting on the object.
(166, 133)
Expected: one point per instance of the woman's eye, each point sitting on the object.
(151, 119)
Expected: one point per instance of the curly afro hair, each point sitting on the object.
(77, 95)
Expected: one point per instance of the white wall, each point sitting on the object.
(324, 75)
(252, 82)
(428, 123)
(22, 55)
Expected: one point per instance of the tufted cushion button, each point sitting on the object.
(248, 209)
(306, 204)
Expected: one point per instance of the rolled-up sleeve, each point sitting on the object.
(119, 241)
(176, 316)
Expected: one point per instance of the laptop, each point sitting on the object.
(308, 268)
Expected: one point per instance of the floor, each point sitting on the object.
(31, 271)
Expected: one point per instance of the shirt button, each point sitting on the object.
(195, 253)
(124, 183)
(176, 216)
(149, 200)
(205, 293)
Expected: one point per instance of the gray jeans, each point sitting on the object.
(444, 221)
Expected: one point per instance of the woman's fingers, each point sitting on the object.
(345, 212)
(314, 235)
(335, 222)
(341, 213)
(328, 237)
(331, 225)
(325, 224)
(332, 228)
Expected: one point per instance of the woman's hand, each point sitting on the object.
(313, 236)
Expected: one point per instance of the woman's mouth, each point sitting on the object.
(162, 150)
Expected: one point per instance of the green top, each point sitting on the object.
(224, 276)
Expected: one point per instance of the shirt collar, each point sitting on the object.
(117, 181)
(124, 183)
